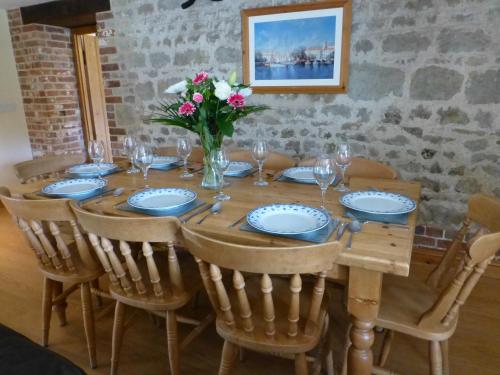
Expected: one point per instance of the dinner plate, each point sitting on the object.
(288, 219)
(302, 174)
(163, 161)
(161, 198)
(92, 168)
(237, 168)
(74, 188)
(378, 202)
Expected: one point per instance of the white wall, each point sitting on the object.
(14, 141)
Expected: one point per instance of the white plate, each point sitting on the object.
(378, 202)
(163, 161)
(74, 187)
(92, 168)
(162, 198)
(237, 168)
(287, 219)
(300, 174)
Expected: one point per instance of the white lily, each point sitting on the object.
(177, 88)
(246, 92)
(222, 90)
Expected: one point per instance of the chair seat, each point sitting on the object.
(404, 301)
(280, 342)
(169, 300)
(82, 273)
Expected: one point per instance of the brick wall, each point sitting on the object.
(45, 65)
(432, 237)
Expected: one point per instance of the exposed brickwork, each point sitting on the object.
(45, 65)
(432, 237)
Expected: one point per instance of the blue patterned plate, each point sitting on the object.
(302, 174)
(74, 188)
(378, 202)
(92, 169)
(287, 219)
(161, 199)
(237, 168)
(164, 161)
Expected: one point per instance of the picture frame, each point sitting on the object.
(298, 48)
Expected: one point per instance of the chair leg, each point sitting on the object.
(116, 342)
(436, 359)
(347, 344)
(446, 360)
(172, 342)
(88, 322)
(95, 285)
(60, 308)
(46, 309)
(386, 347)
(301, 364)
(229, 354)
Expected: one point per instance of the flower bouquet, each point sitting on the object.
(208, 107)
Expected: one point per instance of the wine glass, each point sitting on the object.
(220, 161)
(143, 158)
(259, 153)
(129, 145)
(96, 153)
(324, 173)
(343, 158)
(184, 149)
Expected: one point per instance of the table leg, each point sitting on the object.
(363, 305)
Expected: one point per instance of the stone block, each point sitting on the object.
(452, 116)
(483, 88)
(435, 83)
(411, 41)
(159, 59)
(191, 57)
(457, 40)
(228, 55)
(145, 90)
(370, 81)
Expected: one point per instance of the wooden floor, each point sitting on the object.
(474, 349)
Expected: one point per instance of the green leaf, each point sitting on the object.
(226, 127)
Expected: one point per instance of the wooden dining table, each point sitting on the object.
(377, 250)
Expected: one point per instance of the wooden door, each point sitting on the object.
(90, 82)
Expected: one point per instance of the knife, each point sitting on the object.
(201, 210)
(341, 230)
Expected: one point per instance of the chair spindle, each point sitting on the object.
(35, 243)
(120, 273)
(244, 305)
(47, 245)
(268, 305)
(135, 274)
(154, 275)
(61, 245)
(223, 298)
(294, 309)
(174, 270)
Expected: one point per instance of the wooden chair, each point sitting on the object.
(361, 167)
(420, 310)
(159, 282)
(47, 166)
(196, 155)
(62, 259)
(274, 161)
(272, 307)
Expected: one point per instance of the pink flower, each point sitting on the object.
(187, 109)
(197, 97)
(200, 78)
(236, 100)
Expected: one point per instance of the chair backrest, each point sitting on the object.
(196, 155)
(275, 160)
(479, 255)
(50, 227)
(212, 255)
(484, 210)
(102, 230)
(46, 166)
(361, 167)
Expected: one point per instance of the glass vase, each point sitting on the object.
(211, 178)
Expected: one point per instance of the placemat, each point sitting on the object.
(124, 206)
(319, 236)
(382, 218)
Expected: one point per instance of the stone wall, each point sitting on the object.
(44, 60)
(423, 93)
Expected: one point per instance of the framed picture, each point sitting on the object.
(299, 48)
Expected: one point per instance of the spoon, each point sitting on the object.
(213, 211)
(353, 227)
(118, 191)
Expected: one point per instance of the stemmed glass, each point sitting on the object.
(96, 153)
(259, 153)
(220, 161)
(184, 149)
(343, 158)
(143, 158)
(324, 173)
(129, 145)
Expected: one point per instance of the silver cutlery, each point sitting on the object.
(351, 216)
(335, 223)
(118, 191)
(214, 210)
(237, 222)
(197, 212)
(341, 230)
(278, 175)
(103, 194)
(354, 226)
